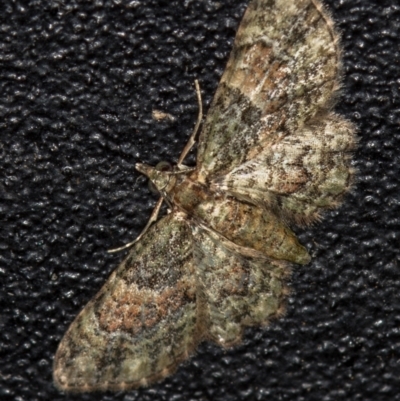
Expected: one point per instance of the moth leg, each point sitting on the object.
(192, 140)
(152, 219)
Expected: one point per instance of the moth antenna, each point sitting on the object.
(152, 219)
(192, 139)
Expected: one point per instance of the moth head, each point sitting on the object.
(160, 175)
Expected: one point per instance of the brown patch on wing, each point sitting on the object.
(260, 76)
(132, 310)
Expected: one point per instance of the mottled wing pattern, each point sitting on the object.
(239, 287)
(300, 175)
(142, 323)
(269, 123)
(272, 143)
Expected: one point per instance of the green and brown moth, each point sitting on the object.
(271, 153)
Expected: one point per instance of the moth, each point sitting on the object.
(271, 154)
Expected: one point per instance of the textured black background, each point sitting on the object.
(79, 80)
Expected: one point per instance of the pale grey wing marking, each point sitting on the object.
(142, 323)
(282, 71)
(299, 176)
(237, 290)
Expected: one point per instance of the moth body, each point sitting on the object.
(243, 223)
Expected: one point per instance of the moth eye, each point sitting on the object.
(164, 166)
(161, 166)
